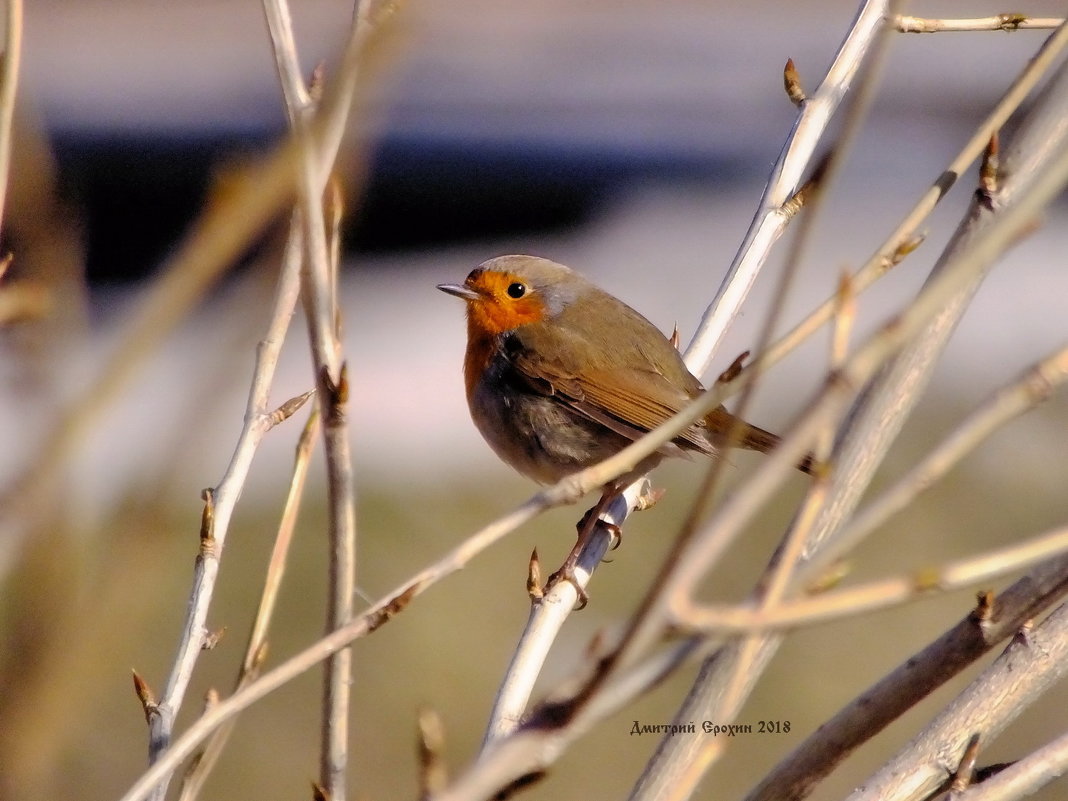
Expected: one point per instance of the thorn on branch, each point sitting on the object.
(966, 768)
(207, 521)
(674, 339)
(792, 82)
(830, 578)
(212, 638)
(337, 394)
(984, 607)
(534, 586)
(259, 658)
(1011, 22)
(1023, 634)
(904, 248)
(397, 604)
(316, 82)
(989, 174)
(145, 696)
(211, 699)
(433, 775)
(808, 189)
(288, 409)
(734, 369)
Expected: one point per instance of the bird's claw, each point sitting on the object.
(584, 529)
(568, 574)
(616, 532)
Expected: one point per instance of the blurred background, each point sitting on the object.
(630, 140)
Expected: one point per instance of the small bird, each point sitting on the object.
(561, 375)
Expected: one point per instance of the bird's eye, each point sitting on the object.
(517, 290)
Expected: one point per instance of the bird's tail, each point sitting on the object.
(719, 421)
(757, 439)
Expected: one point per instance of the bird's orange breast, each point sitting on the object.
(480, 349)
(490, 316)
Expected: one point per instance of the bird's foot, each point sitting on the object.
(567, 573)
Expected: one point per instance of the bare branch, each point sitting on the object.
(1027, 775)
(906, 238)
(256, 649)
(769, 222)
(220, 503)
(1030, 664)
(1034, 386)
(9, 82)
(880, 594)
(912, 681)
(999, 22)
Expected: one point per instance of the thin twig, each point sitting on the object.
(999, 22)
(218, 238)
(906, 237)
(797, 153)
(880, 594)
(256, 649)
(1033, 387)
(721, 534)
(9, 82)
(547, 618)
(880, 414)
(537, 744)
(319, 293)
(566, 491)
(724, 526)
(376, 615)
(223, 500)
(956, 273)
(727, 679)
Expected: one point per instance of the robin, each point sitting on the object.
(561, 375)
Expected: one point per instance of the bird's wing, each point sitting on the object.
(627, 399)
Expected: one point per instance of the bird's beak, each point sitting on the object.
(459, 290)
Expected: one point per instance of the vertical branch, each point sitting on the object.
(1033, 661)
(319, 293)
(223, 500)
(9, 80)
(771, 219)
(223, 232)
(256, 649)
